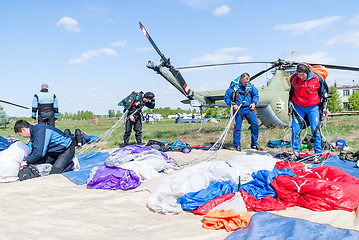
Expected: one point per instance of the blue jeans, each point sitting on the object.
(313, 115)
(238, 125)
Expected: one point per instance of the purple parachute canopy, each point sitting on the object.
(114, 178)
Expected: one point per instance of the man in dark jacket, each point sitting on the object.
(49, 145)
(133, 105)
(46, 104)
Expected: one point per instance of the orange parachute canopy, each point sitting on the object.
(227, 219)
(318, 69)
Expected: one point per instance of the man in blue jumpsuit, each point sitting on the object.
(46, 104)
(242, 93)
(49, 145)
(306, 97)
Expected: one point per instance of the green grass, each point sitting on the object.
(341, 127)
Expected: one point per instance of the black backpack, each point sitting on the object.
(350, 156)
(28, 172)
(156, 144)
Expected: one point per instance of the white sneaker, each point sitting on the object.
(76, 166)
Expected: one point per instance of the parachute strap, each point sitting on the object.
(296, 115)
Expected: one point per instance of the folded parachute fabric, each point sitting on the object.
(227, 219)
(127, 167)
(260, 187)
(193, 200)
(113, 178)
(296, 167)
(320, 189)
(10, 160)
(245, 165)
(146, 162)
(268, 226)
(348, 166)
(208, 206)
(133, 152)
(264, 204)
(229, 201)
(163, 198)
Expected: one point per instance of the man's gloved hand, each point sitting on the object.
(132, 118)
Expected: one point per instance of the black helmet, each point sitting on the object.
(149, 95)
(303, 67)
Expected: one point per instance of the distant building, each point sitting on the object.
(345, 92)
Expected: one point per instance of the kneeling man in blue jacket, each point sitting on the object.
(49, 145)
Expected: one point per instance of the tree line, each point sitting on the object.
(334, 105)
(111, 113)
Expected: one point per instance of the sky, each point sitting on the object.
(92, 54)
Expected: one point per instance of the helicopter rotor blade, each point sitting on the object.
(218, 64)
(164, 59)
(13, 104)
(166, 63)
(337, 67)
(261, 72)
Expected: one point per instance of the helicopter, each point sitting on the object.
(272, 108)
(4, 118)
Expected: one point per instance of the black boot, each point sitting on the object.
(257, 147)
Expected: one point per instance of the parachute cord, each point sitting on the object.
(202, 120)
(211, 153)
(107, 134)
(103, 136)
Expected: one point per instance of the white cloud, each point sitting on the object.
(87, 56)
(69, 24)
(222, 10)
(119, 43)
(231, 49)
(351, 36)
(244, 59)
(220, 56)
(303, 27)
(212, 58)
(317, 57)
(354, 21)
